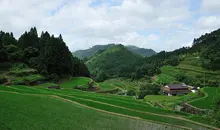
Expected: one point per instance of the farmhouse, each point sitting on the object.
(175, 89)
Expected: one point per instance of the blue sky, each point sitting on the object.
(157, 24)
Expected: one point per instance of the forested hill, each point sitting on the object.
(117, 61)
(47, 54)
(90, 52)
(141, 51)
(205, 47)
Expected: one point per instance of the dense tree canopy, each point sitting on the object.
(211, 55)
(118, 61)
(47, 54)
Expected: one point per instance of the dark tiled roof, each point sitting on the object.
(176, 86)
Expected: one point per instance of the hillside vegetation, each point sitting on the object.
(47, 55)
(190, 72)
(209, 100)
(114, 62)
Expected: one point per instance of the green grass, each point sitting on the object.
(191, 66)
(106, 86)
(207, 102)
(125, 84)
(34, 77)
(119, 101)
(21, 72)
(167, 75)
(77, 81)
(135, 113)
(43, 112)
(160, 98)
(111, 103)
(29, 78)
(170, 102)
(45, 85)
(195, 64)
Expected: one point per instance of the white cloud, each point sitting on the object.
(153, 37)
(210, 6)
(83, 26)
(209, 22)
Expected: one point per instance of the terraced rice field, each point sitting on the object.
(28, 112)
(124, 107)
(170, 101)
(208, 101)
(77, 81)
(106, 86)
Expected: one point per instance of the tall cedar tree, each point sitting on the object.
(49, 55)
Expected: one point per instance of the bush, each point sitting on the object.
(176, 82)
(131, 92)
(216, 114)
(149, 89)
(213, 83)
(54, 77)
(18, 66)
(180, 76)
(3, 79)
(5, 65)
(174, 61)
(101, 77)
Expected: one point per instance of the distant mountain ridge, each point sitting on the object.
(91, 51)
(141, 51)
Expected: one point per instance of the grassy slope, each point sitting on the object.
(44, 112)
(19, 73)
(45, 85)
(161, 98)
(191, 66)
(127, 106)
(106, 86)
(170, 101)
(125, 83)
(207, 102)
(76, 81)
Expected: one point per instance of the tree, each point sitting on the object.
(47, 54)
(29, 39)
(131, 92)
(148, 89)
(174, 61)
(3, 56)
(216, 114)
(146, 70)
(29, 53)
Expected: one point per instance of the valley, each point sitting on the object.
(44, 86)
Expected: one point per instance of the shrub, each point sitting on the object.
(3, 79)
(5, 65)
(131, 92)
(149, 89)
(54, 77)
(101, 77)
(213, 83)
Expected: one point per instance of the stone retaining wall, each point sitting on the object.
(193, 110)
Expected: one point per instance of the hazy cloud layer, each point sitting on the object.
(156, 24)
